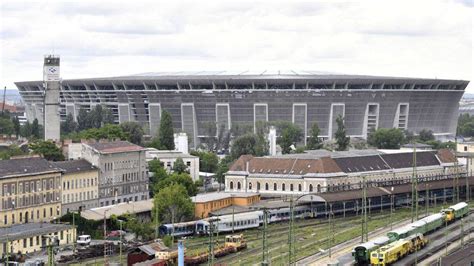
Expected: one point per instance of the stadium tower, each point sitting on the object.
(51, 86)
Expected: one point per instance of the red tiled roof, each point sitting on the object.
(446, 156)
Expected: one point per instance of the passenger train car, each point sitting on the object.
(228, 223)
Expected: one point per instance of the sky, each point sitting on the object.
(427, 39)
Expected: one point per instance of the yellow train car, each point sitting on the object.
(390, 253)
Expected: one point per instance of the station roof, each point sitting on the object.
(131, 207)
(213, 196)
(21, 231)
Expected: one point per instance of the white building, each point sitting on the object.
(168, 158)
(181, 142)
(305, 173)
(123, 173)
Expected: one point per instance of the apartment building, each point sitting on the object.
(80, 190)
(30, 191)
(123, 172)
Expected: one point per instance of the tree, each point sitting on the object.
(16, 126)
(172, 204)
(290, 135)
(207, 161)
(248, 144)
(133, 131)
(342, 140)
(166, 132)
(179, 166)
(25, 130)
(6, 126)
(109, 131)
(426, 135)
(107, 116)
(82, 120)
(387, 138)
(48, 150)
(35, 129)
(210, 142)
(183, 179)
(69, 125)
(314, 142)
(157, 174)
(222, 168)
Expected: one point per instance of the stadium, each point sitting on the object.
(228, 99)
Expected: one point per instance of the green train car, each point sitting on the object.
(401, 232)
(361, 253)
(456, 211)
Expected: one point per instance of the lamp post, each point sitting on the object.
(121, 222)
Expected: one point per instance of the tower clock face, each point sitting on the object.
(51, 73)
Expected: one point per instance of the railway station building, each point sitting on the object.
(307, 173)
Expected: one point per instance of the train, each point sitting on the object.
(363, 253)
(392, 252)
(234, 222)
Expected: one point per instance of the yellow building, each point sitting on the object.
(80, 187)
(33, 237)
(209, 202)
(30, 191)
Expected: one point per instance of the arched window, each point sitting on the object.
(250, 185)
(238, 186)
(311, 188)
(266, 186)
(319, 188)
(291, 187)
(299, 187)
(258, 185)
(283, 187)
(275, 186)
(231, 185)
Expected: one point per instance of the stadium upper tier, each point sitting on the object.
(198, 99)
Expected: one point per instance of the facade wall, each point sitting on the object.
(26, 199)
(202, 209)
(36, 243)
(80, 191)
(431, 105)
(123, 175)
(302, 185)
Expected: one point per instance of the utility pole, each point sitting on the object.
(105, 239)
(414, 189)
(391, 208)
(446, 237)
(329, 229)
(120, 241)
(291, 233)
(427, 197)
(74, 232)
(156, 223)
(4, 94)
(210, 259)
(233, 213)
(364, 233)
(456, 176)
(264, 239)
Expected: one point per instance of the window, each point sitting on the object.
(291, 187)
(258, 185)
(250, 185)
(238, 186)
(319, 188)
(275, 186)
(266, 186)
(299, 187)
(283, 187)
(465, 148)
(311, 188)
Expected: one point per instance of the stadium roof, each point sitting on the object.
(291, 75)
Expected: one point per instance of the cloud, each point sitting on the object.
(393, 38)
